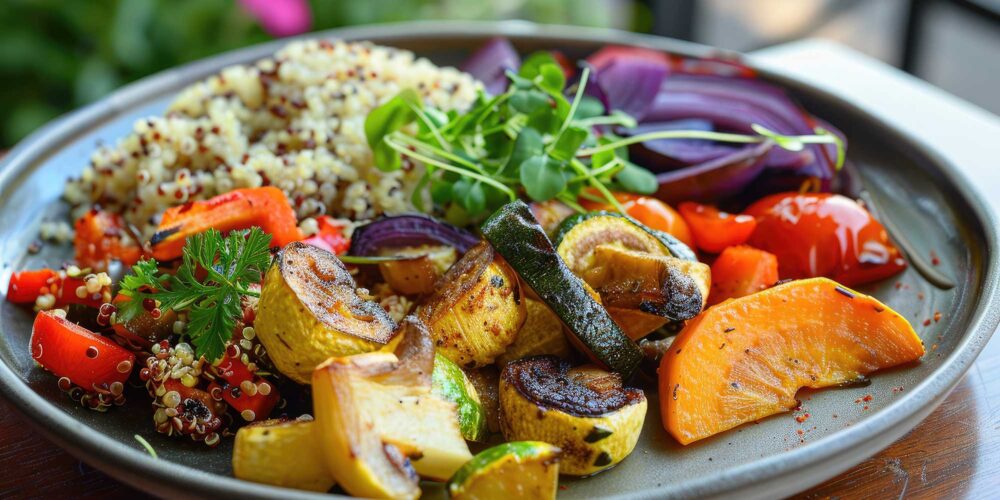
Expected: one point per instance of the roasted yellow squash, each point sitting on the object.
(476, 309)
(542, 333)
(311, 309)
(281, 453)
(379, 422)
(584, 411)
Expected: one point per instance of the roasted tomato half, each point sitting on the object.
(822, 234)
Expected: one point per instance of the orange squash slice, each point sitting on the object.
(744, 359)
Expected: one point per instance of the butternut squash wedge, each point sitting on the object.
(744, 359)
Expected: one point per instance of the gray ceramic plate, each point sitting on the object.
(917, 189)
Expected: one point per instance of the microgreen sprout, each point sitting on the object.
(530, 141)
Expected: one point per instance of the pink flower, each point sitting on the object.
(280, 17)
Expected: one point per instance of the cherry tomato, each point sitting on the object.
(649, 211)
(70, 350)
(98, 240)
(714, 231)
(822, 234)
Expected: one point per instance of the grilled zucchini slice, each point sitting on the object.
(542, 333)
(633, 268)
(451, 384)
(518, 237)
(521, 469)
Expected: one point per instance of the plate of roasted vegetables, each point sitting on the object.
(483, 261)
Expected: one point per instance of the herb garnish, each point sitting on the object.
(532, 140)
(229, 264)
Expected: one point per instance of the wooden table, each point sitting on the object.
(955, 452)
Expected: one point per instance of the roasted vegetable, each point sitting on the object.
(380, 424)
(265, 207)
(450, 383)
(644, 291)
(310, 309)
(744, 359)
(522, 469)
(714, 231)
(329, 235)
(582, 233)
(476, 309)
(640, 283)
(409, 230)
(26, 287)
(519, 238)
(649, 211)
(99, 237)
(741, 271)
(585, 411)
(144, 330)
(823, 234)
(486, 380)
(542, 333)
(88, 360)
(550, 214)
(281, 453)
(237, 383)
(418, 274)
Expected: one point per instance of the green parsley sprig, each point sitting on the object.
(531, 140)
(229, 265)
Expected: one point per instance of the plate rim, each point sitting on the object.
(755, 478)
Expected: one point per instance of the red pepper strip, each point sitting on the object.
(70, 350)
(26, 286)
(330, 236)
(251, 408)
(264, 207)
(235, 374)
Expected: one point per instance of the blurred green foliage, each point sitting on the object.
(58, 55)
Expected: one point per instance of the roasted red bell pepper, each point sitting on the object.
(98, 240)
(713, 230)
(264, 207)
(330, 236)
(252, 408)
(70, 350)
(26, 286)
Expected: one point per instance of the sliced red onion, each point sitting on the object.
(660, 155)
(734, 104)
(631, 84)
(407, 231)
(490, 62)
(715, 179)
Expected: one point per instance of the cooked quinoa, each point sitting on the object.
(294, 120)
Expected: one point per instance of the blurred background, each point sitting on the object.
(58, 55)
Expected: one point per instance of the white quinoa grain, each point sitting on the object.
(294, 120)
